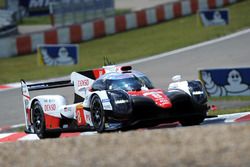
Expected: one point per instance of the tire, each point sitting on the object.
(97, 114)
(192, 121)
(39, 123)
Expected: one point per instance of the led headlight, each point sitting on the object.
(120, 101)
(197, 91)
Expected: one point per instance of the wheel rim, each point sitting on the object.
(37, 120)
(97, 113)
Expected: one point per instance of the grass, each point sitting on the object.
(127, 46)
(229, 99)
(2, 3)
(230, 111)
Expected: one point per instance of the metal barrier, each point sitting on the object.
(80, 12)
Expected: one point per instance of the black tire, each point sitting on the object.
(190, 121)
(39, 123)
(97, 114)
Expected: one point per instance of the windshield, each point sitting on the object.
(130, 84)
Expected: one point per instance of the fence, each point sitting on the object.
(25, 44)
(79, 12)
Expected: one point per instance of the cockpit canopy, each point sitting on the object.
(128, 81)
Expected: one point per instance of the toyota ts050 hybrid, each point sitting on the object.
(112, 98)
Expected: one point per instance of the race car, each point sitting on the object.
(112, 98)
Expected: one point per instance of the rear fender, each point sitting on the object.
(50, 104)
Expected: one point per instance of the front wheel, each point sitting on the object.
(97, 114)
(39, 123)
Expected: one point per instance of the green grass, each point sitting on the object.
(230, 98)
(129, 45)
(2, 3)
(229, 110)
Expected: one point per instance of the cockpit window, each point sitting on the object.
(131, 81)
(130, 84)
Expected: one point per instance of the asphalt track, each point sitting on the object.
(229, 52)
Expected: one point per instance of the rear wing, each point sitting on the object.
(47, 85)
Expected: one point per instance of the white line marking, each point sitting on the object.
(166, 54)
(88, 133)
(3, 135)
(29, 137)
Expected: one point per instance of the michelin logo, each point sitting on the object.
(214, 17)
(233, 87)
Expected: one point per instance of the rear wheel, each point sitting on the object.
(97, 114)
(39, 123)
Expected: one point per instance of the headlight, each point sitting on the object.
(120, 101)
(197, 91)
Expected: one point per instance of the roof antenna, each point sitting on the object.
(107, 62)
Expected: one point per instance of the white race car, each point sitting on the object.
(112, 98)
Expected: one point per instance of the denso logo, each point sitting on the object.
(50, 107)
(38, 3)
(83, 83)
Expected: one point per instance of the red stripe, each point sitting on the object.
(4, 87)
(120, 23)
(194, 6)
(177, 9)
(64, 135)
(13, 137)
(50, 37)
(75, 33)
(211, 4)
(99, 28)
(51, 122)
(23, 44)
(28, 97)
(160, 13)
(243, 119)
(141, 18)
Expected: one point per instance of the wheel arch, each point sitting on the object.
(31, 108)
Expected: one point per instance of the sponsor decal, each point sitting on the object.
(83, 83)
(159, 98)
(105, 100)
(60, 54)
(226, 82)
(80, 116)
(87, 116)
(216, 17)
(50, 107)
